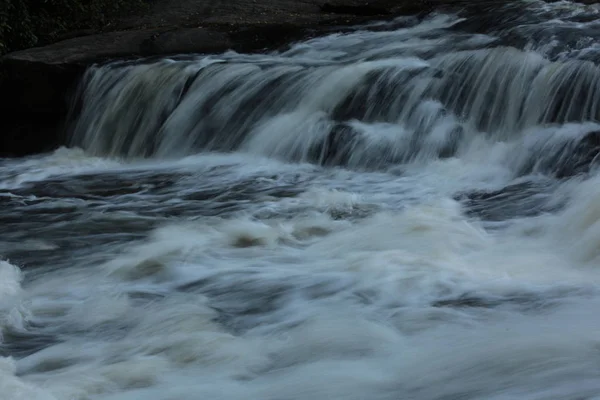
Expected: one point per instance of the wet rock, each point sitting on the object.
(452, 144)
(566, 159)
(361, 8)
(523, 199)
(337, 147)
(21, 343)
(36, 100)
(524, 301)
(580, 157)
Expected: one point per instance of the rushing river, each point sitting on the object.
(406, 211)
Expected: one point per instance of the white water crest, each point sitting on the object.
(408, 210)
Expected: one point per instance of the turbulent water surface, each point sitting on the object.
(410, 210)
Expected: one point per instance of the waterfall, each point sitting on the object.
(420, 92)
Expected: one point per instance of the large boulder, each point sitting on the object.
(35, 102)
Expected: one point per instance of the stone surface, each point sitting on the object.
(207, 26)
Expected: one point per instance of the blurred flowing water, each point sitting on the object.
(409, 210)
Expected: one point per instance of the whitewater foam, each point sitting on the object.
(403, 211)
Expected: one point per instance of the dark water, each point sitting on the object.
(406, 211)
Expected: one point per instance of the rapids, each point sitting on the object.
(409, 210)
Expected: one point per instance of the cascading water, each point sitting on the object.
(407, 96)
(405, 211)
